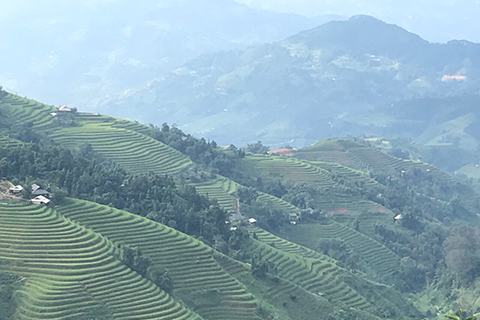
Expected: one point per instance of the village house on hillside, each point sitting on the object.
(293, 218)
(41, 200)
(64, 108)
(38, 191)
(15, 190)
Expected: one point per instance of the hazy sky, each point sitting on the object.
(434, 20)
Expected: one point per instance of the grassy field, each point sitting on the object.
(376, 259)
(68, 271)
(323, 277)
(198, 278)
(330, 179)
(7, 142)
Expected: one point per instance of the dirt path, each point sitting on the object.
(5, 185)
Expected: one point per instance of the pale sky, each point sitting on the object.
(434, 20)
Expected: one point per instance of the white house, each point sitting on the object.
(15, 190)
(252, 221)
(40, 200)
(64, 108)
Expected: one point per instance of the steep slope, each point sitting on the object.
(219, 288)
(344, 77)
(198, 279)
(316, 174)
(68, 271)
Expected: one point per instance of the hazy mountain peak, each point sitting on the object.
(362, 33)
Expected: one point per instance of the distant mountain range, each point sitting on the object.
(84, 52)
(360, 76)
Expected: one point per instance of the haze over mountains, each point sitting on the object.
(344, 77)
(84, 52)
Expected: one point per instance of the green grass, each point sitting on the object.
(380, 261)
(7, 142)
(222, 189)
(319, 276)
(67, 269)
(333, 193)
(190, 263)
(133, 151)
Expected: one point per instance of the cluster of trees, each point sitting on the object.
(200, 151)
(9, 284)
(462, 255)
(133, 258)
(82, 175)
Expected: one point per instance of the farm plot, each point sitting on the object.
(68, 270)
(133, 151)
(381, 261)
(198, 279)
(304, 268)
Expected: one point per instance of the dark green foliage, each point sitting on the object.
(460, 315)
(66, 119)
(9, 284)
(83, 175)
(462, 255)
(135, 260)
(261, 267)
(257, 147)
(267, 217)
(161, 278)
(199, 150)
(247, 195)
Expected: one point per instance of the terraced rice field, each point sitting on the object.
(222, 190)
(23, 111)
(355, 176)
(309, 270)
(190, 263)
(379, 161)
(335, 156)
(288, 169)
(66, 270)
(366, 221)
(133, 151)
(381, 260)
(333, 197)
(6, 142)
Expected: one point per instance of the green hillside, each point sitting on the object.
(326, 243)
(70, 272)
(198, 279)
(331, 179)
(328, 280)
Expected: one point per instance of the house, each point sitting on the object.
(293, 218)
(41, 200)
(252, 221)
(64, 108)
(38, 191)
(398, 217)
(15, 190)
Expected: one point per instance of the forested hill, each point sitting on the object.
(337, 230)
(343, 77)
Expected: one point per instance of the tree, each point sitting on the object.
(461, 316)
(462, 254)
(257, 147)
